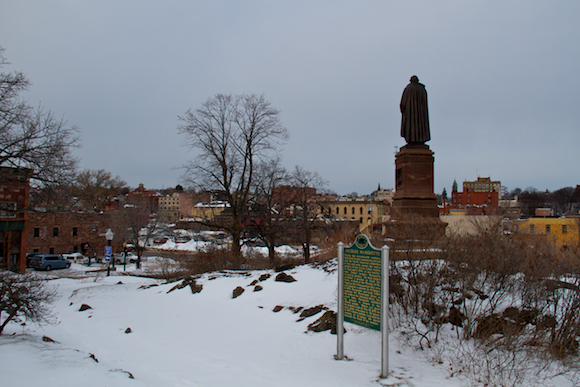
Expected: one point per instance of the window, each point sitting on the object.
(36, 232)
(74, 231)
(95, 228)
(352, 211)
(360, 210)
(55, 232)
(7, 209)
(35, 250)
(345, 210)
(337, 212)
(51, 250)
(75, 249)
(548, 229)
(564, 229)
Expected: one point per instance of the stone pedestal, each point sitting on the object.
(414, 183)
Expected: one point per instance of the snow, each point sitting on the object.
(204, 339)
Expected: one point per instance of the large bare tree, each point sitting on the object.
(231, 135)
(33, 137)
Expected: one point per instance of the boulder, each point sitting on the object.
(277, 308)
(264, 277)
(312, 311)
(283, 277)
(257, 288)
(237, 292)
(84, 307)
(325, 322)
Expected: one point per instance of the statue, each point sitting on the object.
(415, 115)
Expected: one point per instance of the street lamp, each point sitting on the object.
(110, 235)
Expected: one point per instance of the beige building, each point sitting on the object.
(369, 213)
(174, 207)
(208, 210)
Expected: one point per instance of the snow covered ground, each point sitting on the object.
(204, 339)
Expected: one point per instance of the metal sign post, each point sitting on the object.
(363, 292)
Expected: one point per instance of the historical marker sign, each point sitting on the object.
(362, 284)
(363, 292)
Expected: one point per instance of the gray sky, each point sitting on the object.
(503, 80)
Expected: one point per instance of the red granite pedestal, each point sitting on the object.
(414, 183)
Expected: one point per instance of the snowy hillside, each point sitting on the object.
(179, 338)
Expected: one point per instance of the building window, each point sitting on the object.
(36, 232)
(74, 231)
(548, 229)
(55, 232)
(7, 209)
(75, 249)
(35, 250)
(360, 210)
(345, 210)
(51, 250)
(564, 229)
(337, 212)
(95, 228)
(352, 211)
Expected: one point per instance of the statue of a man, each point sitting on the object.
(415, 115)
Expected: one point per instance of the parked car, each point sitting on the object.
(77, 258)
(49, 262)
(120, 258)
(160, 241)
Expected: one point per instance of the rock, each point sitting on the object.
(48, 339)
(257, 288)
(128, 330)
(264, 277)
(277, 308)
(195, 288)
(93, 357)
(283, 277)
(254, 282)
(325, 322)
(237, 292)
(84, 307)
(311, 311)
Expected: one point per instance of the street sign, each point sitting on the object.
(108, 253)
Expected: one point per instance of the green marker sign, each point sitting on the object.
(362, 284)
(363, 293)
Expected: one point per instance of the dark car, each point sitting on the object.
(49, 262)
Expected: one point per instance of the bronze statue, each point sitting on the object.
(415, 115)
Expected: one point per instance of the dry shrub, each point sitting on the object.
(513, 305)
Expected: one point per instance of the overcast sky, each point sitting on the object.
(503, 80)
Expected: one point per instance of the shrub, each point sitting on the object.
(24, 298)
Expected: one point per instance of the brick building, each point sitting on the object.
(60, 233)
(14, 193)
(480, 197)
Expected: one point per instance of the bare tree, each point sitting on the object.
(96, 187)
(305, 203)
(33, 137)
(270, 221)
(131, 221)
(231, 134)
(24, 297)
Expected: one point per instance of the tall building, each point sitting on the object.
(14, 194)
